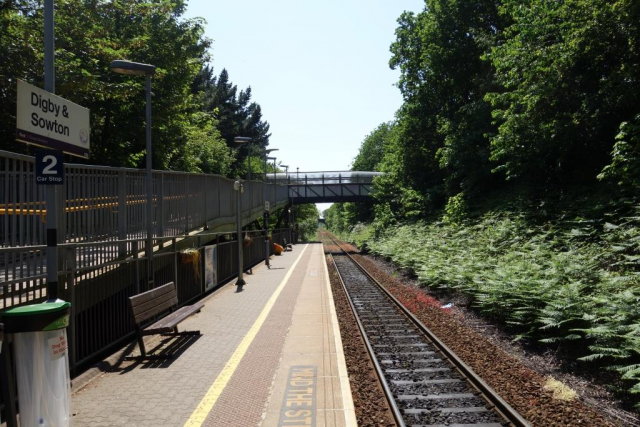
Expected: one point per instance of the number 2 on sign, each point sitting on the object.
(53, 161)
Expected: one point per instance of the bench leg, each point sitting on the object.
(143, 350)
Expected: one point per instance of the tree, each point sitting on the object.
(373, 148)
(569, 71)
(307, 218)
(234, 111)
(441, 147)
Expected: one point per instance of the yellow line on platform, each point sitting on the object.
(200, 414)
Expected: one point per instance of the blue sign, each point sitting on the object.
(49, 167)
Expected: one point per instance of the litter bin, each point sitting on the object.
(42, 362)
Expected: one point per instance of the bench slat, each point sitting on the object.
(153, 302)
(178, 316)
(162, 299)
(153, 293)
(158, 309)
(167, 323)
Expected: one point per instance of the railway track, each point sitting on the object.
(425, 383)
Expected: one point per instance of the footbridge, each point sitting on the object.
(328, 186)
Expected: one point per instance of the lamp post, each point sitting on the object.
(286, 177)
(275, 181)
(241, 140)
(147, 70)
(239, 187)
(265, 219)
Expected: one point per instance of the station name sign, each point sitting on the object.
(47, 120)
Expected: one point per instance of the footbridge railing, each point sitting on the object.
(327, 187)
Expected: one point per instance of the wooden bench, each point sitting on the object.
(155, 302)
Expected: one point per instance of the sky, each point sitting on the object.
(319, 70)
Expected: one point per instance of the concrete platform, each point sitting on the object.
(270, 355)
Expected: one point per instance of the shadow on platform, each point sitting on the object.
(174, 346)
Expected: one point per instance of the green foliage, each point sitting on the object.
(373, 148)
(566, 69)
(334, 218)
(455, 210)
(625, 166)
(235, 113)
(307, 219)
(442, 139)
(205, 151)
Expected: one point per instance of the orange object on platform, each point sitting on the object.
(277, 249)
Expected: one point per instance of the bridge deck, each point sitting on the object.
(274, 343)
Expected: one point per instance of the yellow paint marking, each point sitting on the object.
(200, 414)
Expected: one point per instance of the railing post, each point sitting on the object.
(71, 286)
(175, 261)
(306, 184)
(289, 214)
(186, 216)
(136, 260)
(160, 207)
(206, 216)
(62, 213)
(122, 212)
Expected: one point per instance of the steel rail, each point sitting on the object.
(499, 404)
(391, 401)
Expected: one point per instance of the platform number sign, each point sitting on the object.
(49, 167)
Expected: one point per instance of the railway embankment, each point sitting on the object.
(539, 401)
(561, 281)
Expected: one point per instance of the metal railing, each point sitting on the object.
(99, 203)
(98, 286)
(324, 177)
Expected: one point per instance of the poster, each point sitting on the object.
(210, 267)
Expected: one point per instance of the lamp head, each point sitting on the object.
(239, 140)
(121, 66)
